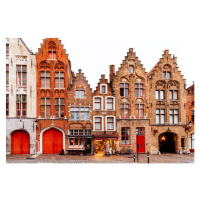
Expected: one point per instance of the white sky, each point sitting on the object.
(94, 56)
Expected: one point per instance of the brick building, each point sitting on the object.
(53, 79)
(131, 90)
(167, 93)
(104, 120)
(20, 97)
(190, 118)
(80, 115)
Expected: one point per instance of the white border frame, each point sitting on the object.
(113, 103)
(102, 120)
(101, 102)
(113, 121)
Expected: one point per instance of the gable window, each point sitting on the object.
(109, 103)
(59, 107)
(7, 74)
(80, 93)
(139, 111)
(160, 94)
(123, 89)
(173, 116)
(125, 136)
(7, 104)
(52, 55)
(130, 69)
(98, 123)
(173, 94)
(110, 123)
(21, 75)
(138, 89)
(45, 79)
(21, 105)
(97, 103)
(59, 79)
(160, 116)
(166, 75)
(124, 110)
(45, 107)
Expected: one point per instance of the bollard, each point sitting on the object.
(134, 157)
(148, 157)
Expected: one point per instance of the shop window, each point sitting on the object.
(173, 116)
(97, 103)
(166, 75)
(98, 123)
(139, 89)
(139, 111)
(110, 123)
(21, 104)
(7, 104)
(59, 79)
(76, 143)
(140, 131)
(52, 55)
(109, 103)
(59, 107)
(125, 136)
(21, 75)
(80, 93)
(160, 94)
(45, 107)
(160, 116)
(45, 79)
(124, 89)
(130, 69)
(173, 94)
(7, 74)
(124, 110)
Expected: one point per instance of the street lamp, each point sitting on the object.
(187, 128)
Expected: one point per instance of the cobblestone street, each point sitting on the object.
(45, 158)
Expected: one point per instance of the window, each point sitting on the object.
(7, 74)
(76, 143)
(182, 142)
(140, 131)
(109, 103)
(45, 107)
(192, 115)
(52, 55)
(130, 69)
(21, 75)
(125, 136)
(7, 49)
(173, 94)
(166, 75)
(110, 123)
(98, 123)
(173, 116)
(80, 132)
(59, 79)
(7, 104)
(160, 116)
(160, 94)
(124, 110)
(80, 94)
(45, 79)
(139, 90)
(21, 105)
(123, 89)
(139, 111)
(59, 107)
(84, 113)
(97, 103)
(103, 89)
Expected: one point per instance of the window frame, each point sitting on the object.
(113, 122)
(139, 90)
(7, 74)
(59, 78)
(21, 105)
(173, 115)
(79, 94)
(139, 130)
(78, 112)
(7, 105)
(123, 108)
(172, 94)
(45, 77)
(160, 114)
(125, 136)
(165, 75)
(53, 54)
(45, 105)
(131, 67)
(19, 76)
(137, 111)
(101, 90)
(124, 89)
(59, 105)
(159, 94)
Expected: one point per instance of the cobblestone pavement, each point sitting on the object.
(52, 158)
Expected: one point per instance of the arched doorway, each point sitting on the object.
(52, 141)
(20, 142)
(167, 142)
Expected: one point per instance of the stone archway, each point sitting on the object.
(167, 142)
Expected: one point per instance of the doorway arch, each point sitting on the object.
(167, 142)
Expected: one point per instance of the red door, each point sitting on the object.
(141, 140)
(20, 143)
(52, 141)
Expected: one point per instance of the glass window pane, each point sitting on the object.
(176, 119)
(157, 119)
(47, 101)
(157, 94)
(162, 94)
(162, 111)
(170, 94)
(162, 119)
(171, 119)
(57, 101)
(47, 74)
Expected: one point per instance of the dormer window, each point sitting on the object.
(103, 89)
(131, 69)
(166, 75)
(52, 55)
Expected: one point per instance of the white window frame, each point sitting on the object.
(79, 94)
(94, 102)
(114, 123)
(106, 102)
(102, 121)
(101, 88)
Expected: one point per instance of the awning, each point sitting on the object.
(106, 137)
(79, 136)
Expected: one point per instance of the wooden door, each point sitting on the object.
(141, 139)
(20, 143)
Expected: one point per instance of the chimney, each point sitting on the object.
(112, 72)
